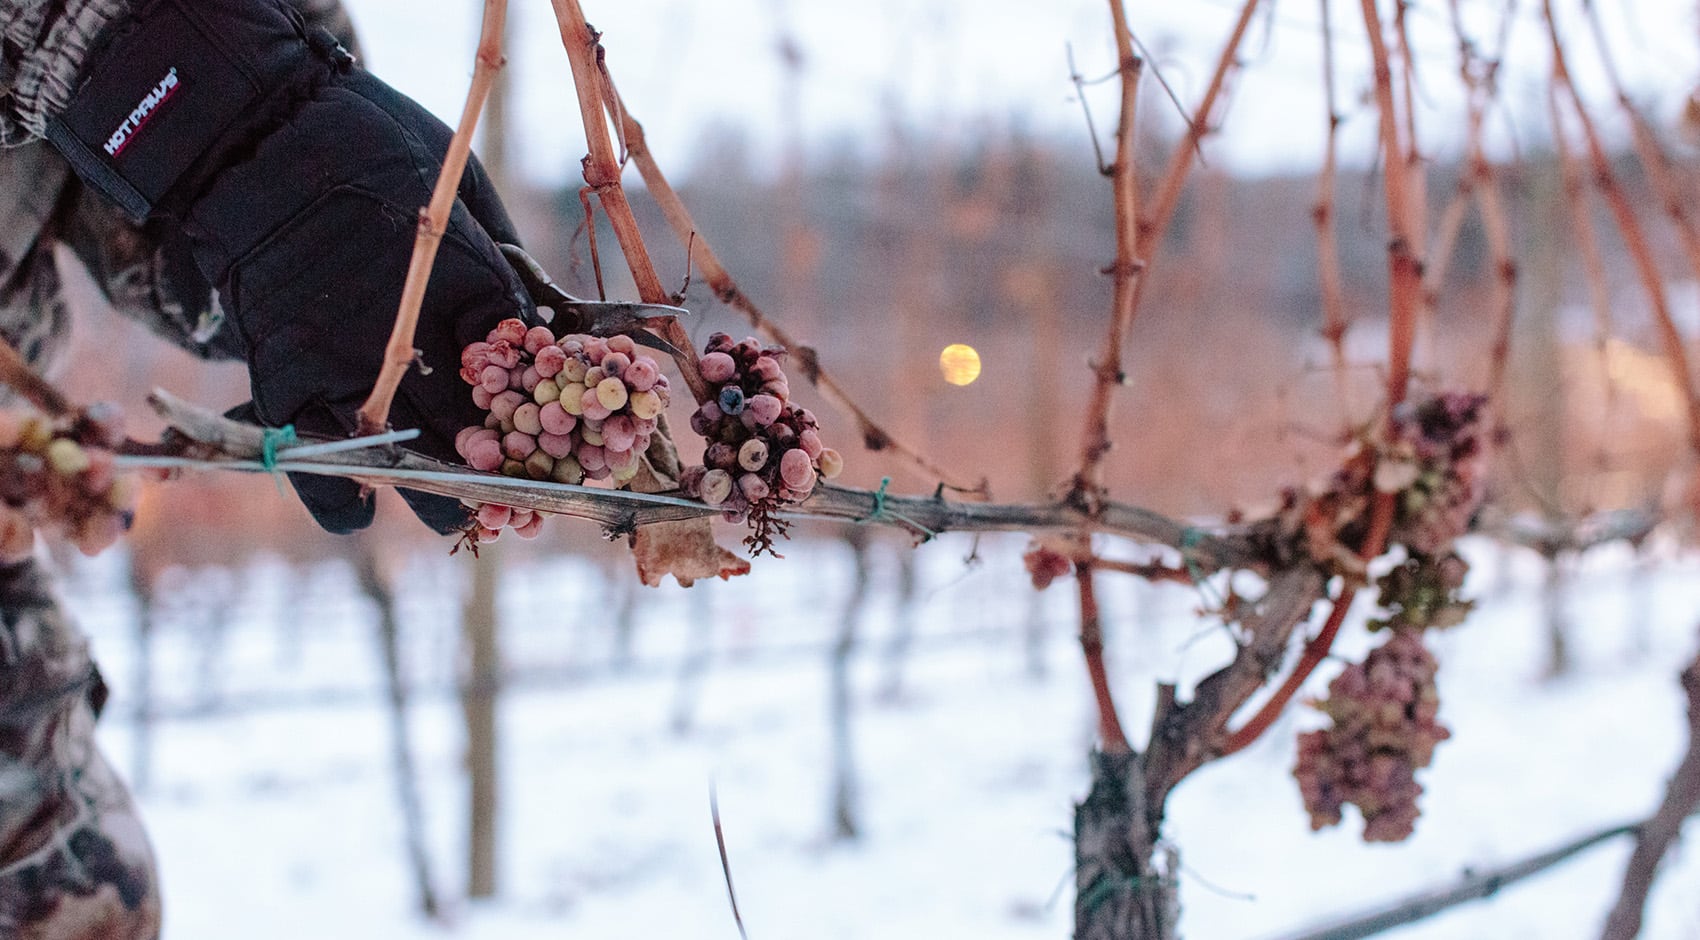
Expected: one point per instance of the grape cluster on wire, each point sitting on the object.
(764, 451)
(1384, 729)
(57, 475)
(566, 409)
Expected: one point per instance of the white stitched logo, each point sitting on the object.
(145, 109)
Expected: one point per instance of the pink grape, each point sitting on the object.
(493, 516)
(796, 468)
(512, 330)
(717, 367)
(620, 460)
(518, 445)
(615, 364)
(591, 433)
(504, 404)
(641, 374)
(529, 377)
(525, 418)
(593, 376)
(719, 342)
(618, 432)
(621, 343)
(747, 349)
(520, 517)
(531, 529)
(595, 348)
(611, 392)
(766, 369)
(593, 406)
(516, 377)
(765, 409)
(591, 457)
(472, 375)
(486, 535)
(461, 436)
(572, 345)
(752, 456)
(481, 397)
(779, 389)
(502, 354)
(484, 455)
(716, 487)
(493, 379)
(493, 422)
(556, 420)
(475, 354)
(538, 337)
(753, 487)
(555, 445)
(549, 361)
(809, 440)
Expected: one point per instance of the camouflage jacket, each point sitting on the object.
(74, 859)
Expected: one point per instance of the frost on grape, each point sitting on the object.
(763, 451)
(57, 475)
(1384, 730)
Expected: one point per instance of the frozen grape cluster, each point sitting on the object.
(1438, 454)
(58, 475)
(763, 451)
(567, 409)
(1384, 730)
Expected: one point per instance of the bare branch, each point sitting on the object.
(399, 354)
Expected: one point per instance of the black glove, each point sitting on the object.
(297, 180)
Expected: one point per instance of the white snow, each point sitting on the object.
(274, 812)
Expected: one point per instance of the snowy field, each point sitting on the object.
(271, 796)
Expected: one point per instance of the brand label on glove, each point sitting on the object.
(149, 105)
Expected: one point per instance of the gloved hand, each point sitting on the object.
(300, 205)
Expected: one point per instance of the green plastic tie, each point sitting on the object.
(275, 438)
(881, 513)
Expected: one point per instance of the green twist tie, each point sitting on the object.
(269, 444)
(881, 513)
(1191, 536)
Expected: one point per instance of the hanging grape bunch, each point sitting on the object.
(1384, 730)
(1436, 462)
(763, 451)
(570, 409)
(57, 475)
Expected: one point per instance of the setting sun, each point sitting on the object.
(960, 364)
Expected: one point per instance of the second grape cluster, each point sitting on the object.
(763, 450)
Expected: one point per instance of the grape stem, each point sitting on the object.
(399, 354)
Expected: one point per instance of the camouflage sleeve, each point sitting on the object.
(42, 46)
(75, 863)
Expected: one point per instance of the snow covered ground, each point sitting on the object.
(271, 797)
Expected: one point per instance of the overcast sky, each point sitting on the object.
(686, 66)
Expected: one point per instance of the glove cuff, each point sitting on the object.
(173, 85)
